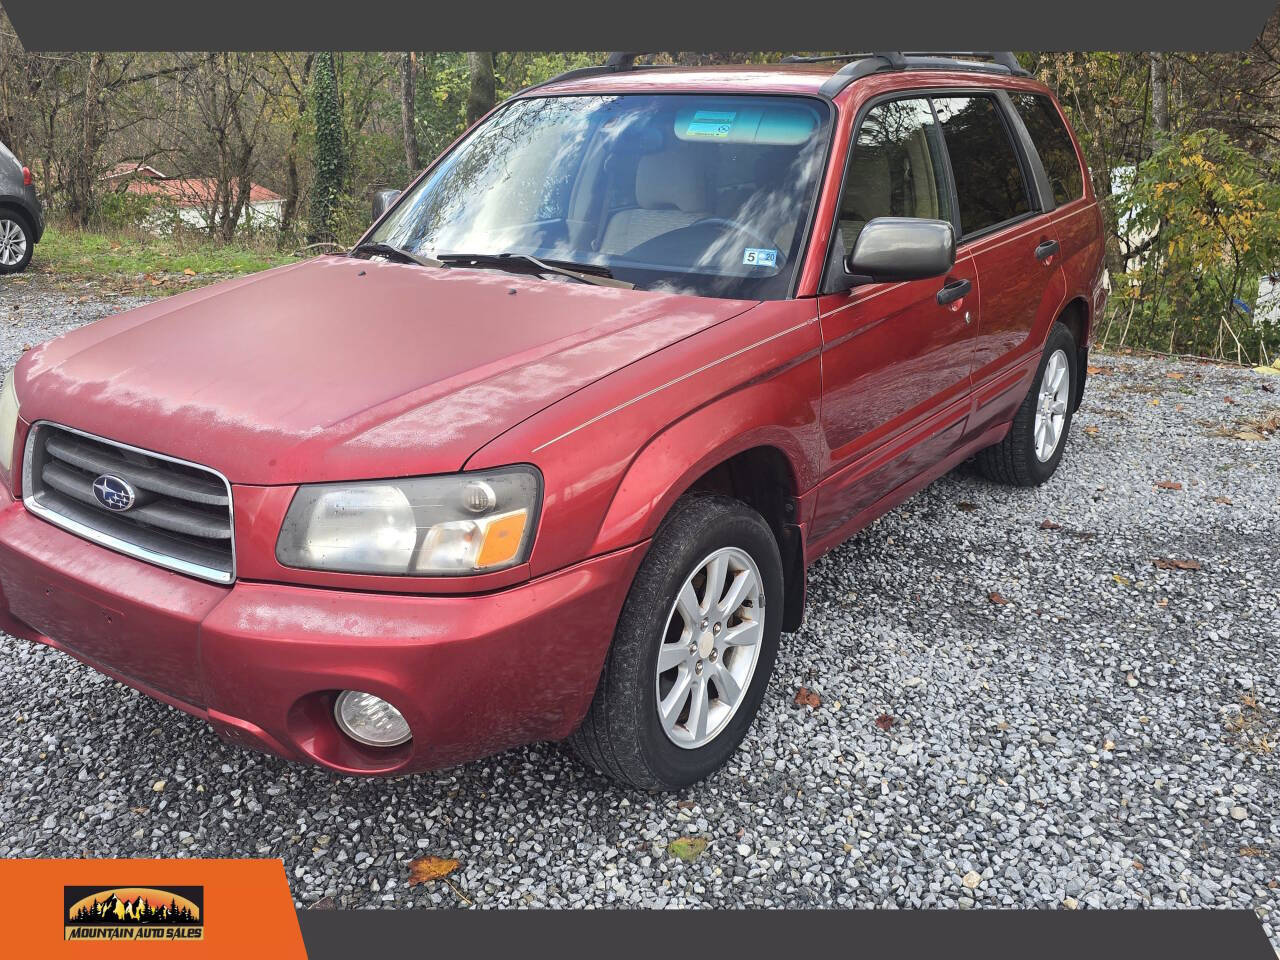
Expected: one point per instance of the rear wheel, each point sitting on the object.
(1032, 449)
(693, 650)
(15, 242)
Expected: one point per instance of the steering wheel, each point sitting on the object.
(751, 232)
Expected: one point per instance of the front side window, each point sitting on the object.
(895, 170)
(990, 187)
(1053, 143)
(708, 195)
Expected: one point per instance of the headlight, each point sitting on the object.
(8, 421)
(425, 526)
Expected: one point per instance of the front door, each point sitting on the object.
(896, 356)
(1014, 244)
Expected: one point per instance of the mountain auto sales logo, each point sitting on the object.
(133, 913)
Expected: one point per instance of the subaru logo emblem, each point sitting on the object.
(113, 493)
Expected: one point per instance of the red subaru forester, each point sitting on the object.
(546, 455)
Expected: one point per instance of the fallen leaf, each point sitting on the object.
(807, 698)
(1168, 485)
(1175, 375)
(687, 849)
(1137, 865)
(427, 869)
(1227, 400)
(966, 507)
(996, 598)
(1166, 563)
(885, 721)
(1108, 744)
(1155, 401)
(1122, 580)
(1250, 852)
(1050, 525)
(188, 272)
(1226, 501)
(1091, 431)
(686, 804)
(1248, 435)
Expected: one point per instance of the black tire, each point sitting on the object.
(1013, 460)
(24, 225)
(622, 736)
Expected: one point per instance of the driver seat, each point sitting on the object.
(671, 193)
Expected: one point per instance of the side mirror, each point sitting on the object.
(382, 201)
(902, 248)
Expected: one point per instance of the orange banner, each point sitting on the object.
(122, 908)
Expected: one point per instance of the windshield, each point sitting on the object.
(708, 195)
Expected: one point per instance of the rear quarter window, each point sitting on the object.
(1053, 143)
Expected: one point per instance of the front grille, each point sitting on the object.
(179, 516)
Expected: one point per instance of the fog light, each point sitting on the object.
(370, 720)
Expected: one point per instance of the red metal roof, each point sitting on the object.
(193, 191)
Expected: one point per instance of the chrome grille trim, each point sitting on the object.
(182, 529)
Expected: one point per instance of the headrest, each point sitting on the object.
(672, 178)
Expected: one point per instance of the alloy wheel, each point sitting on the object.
(13, 243)
(710, 648)
(1051, 405)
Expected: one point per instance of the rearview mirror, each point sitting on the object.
(902, 248)
(382, 201)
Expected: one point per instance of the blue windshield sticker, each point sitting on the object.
(760, 257)
(711, 123)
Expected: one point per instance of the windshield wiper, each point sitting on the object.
(582, 272)
(388, 250)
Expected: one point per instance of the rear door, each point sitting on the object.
(895, 361)
(1007, 230)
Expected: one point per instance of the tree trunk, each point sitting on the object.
(289, 215)
(408, 115)
(328, 151)
(1159, 100)
(80, 184)
(481, 97)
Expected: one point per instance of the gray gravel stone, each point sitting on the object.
(997, 763)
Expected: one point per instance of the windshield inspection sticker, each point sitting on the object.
(760, 257)
(711, 123)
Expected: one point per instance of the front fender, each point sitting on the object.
(615, 455)
(672, 462)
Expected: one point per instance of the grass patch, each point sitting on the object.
(138, 258)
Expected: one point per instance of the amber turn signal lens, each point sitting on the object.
(502, 538)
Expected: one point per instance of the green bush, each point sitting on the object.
(121, 210)
(1201, 215)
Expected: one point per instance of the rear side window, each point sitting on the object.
(895, 169)
(990, 186)
(1053, 143)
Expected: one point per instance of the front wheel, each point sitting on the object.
(693, 650)
(1032, 449)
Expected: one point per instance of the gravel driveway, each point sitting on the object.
(1012, 712)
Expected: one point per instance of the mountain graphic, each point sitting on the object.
(134, 905)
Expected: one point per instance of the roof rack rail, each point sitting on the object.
(864, 64)
(614, 63)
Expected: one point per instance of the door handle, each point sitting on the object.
(953, 291)
(1046, 249)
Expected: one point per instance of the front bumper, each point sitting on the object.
(263, 662)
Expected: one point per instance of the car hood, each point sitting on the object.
(344, 369)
